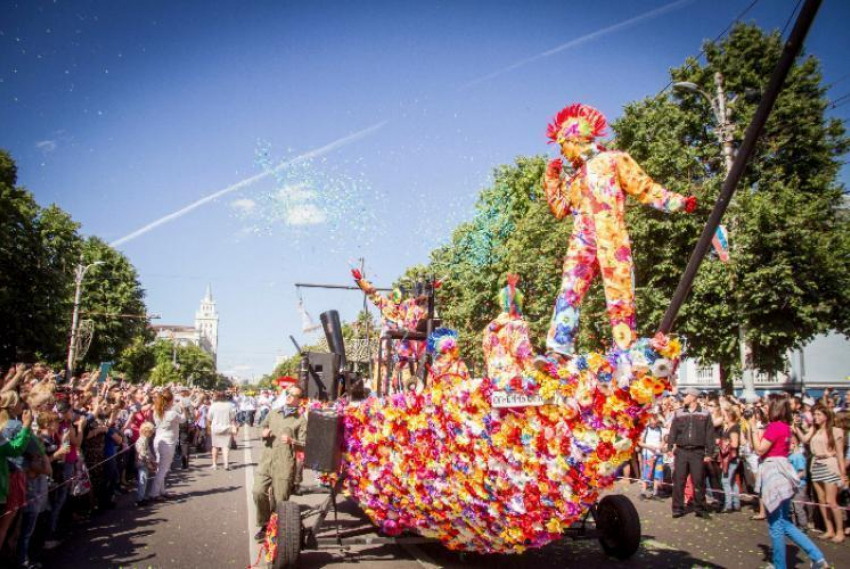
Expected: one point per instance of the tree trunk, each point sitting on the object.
(726, 383)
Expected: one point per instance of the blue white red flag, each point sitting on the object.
(721, 244)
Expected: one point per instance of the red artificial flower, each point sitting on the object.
(604, 451)
(690, 204)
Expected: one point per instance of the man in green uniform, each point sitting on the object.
(284, 430)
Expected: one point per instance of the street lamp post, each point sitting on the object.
(80, 273)
(720, 107)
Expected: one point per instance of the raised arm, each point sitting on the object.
(18, 445)
(388, 308)
(20, 373)
(636, 182)
(556, 189)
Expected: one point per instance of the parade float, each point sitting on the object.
(519, 458)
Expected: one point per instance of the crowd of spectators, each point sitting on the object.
(69, 448)
(734, 448)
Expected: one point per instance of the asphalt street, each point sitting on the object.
(209, 524)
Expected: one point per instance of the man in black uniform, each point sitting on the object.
(692, 439)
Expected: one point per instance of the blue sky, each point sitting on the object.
(126, 112)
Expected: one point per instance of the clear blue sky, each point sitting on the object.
(125, 112)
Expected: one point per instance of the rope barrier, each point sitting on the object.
(68, 481)
(739, 494)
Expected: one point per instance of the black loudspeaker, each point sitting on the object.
(333, 334)
(320, 375)
(324, 441)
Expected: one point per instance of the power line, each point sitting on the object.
(715, 40)
(835, 104)
(791, 17)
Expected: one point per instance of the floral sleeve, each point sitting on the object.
(557, 195)
(388, 308)
(638, 183)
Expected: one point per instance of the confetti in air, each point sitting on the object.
(310, 197)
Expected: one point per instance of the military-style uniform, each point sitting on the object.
(276, 470)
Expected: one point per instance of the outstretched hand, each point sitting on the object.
(690, 204)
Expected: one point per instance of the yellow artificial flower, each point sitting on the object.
(594, 361)
(553, 526)
(623, 334)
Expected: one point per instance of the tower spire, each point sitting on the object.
(208, 297)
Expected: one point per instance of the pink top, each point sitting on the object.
(779, 434)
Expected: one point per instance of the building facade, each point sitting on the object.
(822, 363)
(203, 334)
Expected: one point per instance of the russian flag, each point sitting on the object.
(721, 244)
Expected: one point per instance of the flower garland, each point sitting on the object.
(447, 465)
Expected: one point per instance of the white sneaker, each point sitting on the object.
(213, 467)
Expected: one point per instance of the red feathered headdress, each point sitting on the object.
(577, 121)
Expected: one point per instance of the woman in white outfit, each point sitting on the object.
(167, 419)
(222, 419)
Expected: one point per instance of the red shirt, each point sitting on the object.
(778, 433)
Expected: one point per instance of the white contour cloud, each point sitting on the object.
(46, 145)
(305, 214)
(243, 205)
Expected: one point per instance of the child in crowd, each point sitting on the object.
(145, 461)
(798, 462)
(652, 457)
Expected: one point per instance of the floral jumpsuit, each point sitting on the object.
(599, 242)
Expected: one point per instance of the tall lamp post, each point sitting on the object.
(80, 273)
(719, 105)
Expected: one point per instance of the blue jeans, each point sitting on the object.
(28, 521)
(780, 526)
(60, 496)
(731, 490)
(142, 489)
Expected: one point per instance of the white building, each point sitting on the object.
(205, 332)
(824, 362)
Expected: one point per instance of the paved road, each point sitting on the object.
(208, 526)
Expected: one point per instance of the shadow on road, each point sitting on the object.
(117, 537)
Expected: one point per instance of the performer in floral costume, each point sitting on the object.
(397, 314)
(507, 349)
(594, 189)
(446, 368)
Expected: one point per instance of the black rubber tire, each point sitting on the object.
(288, 535)
(619, 523)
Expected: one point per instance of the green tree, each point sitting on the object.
(37, 251)
(113, 299)
(791, 260)
(183, 364)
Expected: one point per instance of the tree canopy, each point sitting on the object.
(40, 248)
